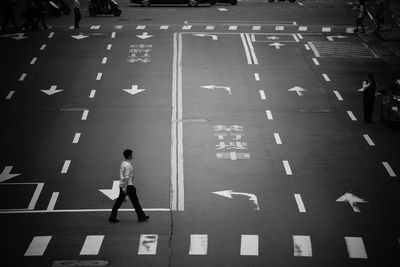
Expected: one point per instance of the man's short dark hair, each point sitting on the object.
(127, 153)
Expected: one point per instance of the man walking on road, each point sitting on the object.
(369, 87)
(126, 188)
(77, 13)
(8, 8)
(362, 13)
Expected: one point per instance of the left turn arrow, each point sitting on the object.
(53, 90)
(229, 193)
(6, 174)
(112, 193)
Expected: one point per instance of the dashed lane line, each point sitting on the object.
(10, 95)
(76, 138)
(300, 203)
(210, 27)
(164, 27)
(302, 246)
(256, 76)
(338, 96)
(279, 28)
(256, 28)
(51, 35)
(300, 36)
(140, 27)
(92, 93)
(22, 77)
(269, 114)
(315, 61)
(232, 27)
(38, 246)
(109, 46)
(262, 95)
(355, 247)
(368, 139)
(286, 165)
(65, 167)
(326, 29)
(186, 27)
(326, 78)
(198, 244)
(85, 114)
(277, 139)
(99, 75)
(389, 169)
(307, 46)
(53, 201)
(249, 245)
(113, 35)
(33, 61)
(92, 245)
(104, 61)
(303, 29)
(351, 115)
(43, 47)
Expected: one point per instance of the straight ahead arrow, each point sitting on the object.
(6, 174)
(112, 193)
(277, 45)
(229, 193)
(53, 90)
(134, 90)
(144, 35)
(298, 90)
(353, 200)
(79, 37)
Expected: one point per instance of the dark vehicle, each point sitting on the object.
(191, 3)
(390, 104)
(291, 1)
(96, 8)
(232, 2)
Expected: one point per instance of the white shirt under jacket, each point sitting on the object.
(126, 174)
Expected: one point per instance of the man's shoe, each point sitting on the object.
(145, 218)
(113, 220)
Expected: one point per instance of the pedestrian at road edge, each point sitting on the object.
(126, 187)
(77, 14)
(369, 91)
(362, 13)
(8, 9)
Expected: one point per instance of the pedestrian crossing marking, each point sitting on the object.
(232, 27)
(210, 27)
(186, 27)
(326, 29)
(38, 246)
(140, 27)
(118, 27)
(302, 246)
(198, 245)
(303, 28)
(148, 244)
(95, 27)
(164, 27)
(249, 245)
(256, 28)
(341, 49)
(355, 247)
(279, 28)
(92, 245)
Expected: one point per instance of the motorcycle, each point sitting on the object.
(95, 8)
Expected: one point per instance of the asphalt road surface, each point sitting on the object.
(246, 122)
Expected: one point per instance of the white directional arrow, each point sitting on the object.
(19, 36)
(53, 90)
(144, 35)
(213, 87)
(112, 193)
(277, 45)
(229, 193)
(6, 174)
(134, 90)
(298, 90)
(213, 36)
(353, 200)
(330, 38)
(80, 36)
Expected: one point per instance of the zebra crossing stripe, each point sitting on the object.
(279, 28)
(148, 244)
(38, 246)
(249, 245)
(164, 27)
(302, 246)
(326, 29)
(256, 28)
(210, 27)
(355, 247)
(140, 27)
(92, 245)
(187, 27)
(351, 115)
(232, 27)
(303, 28)
(198, 245)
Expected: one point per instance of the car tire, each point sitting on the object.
(92, 12)
(212, 2)
(145, 3)
(117, 12)
(193, 3)
(233, 2)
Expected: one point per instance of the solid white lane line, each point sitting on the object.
(300, 203)
(51, 35)
(279, 28)
(104, 61)
(256, 28)
(181, 187)
(256, 77)
(246, 49)
(233, 27)
(277, 139)
(33, 61)
(389, 169)
(174, 189)
(76, 138)
(35, 196)
(252, 52)
(249, 245)
(140, 27)
(113, 35)
(164, 27)
(10, 94)
(355, 247)
(186, 27)
(307, 47)
(286, 165)
(43, 47)
(326, 77)
(315, 61)
(92, 94)
(326, 29)
(269, 114)
(109, 46)
(148, 245)
(369, 140)
(66, 166)
(351, 115)
(22, 77)
(198, 245)
(53, 201)
(27, 211)
(210, 27)
(38, 246)
(338, 96)
(98, 78)
(303, 28)
(92, 245)
(302, 246)
(262, 95)
(85, 114)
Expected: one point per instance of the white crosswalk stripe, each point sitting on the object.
(148, 244)
(341, 49)
(302, 246)
(355, 247)
(198, 245)
(249, 245)
(38, 246)
(92, 245)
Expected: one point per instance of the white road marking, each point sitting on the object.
(368, 139)
(148, 245)
(262, 95)
(314, 49)
(256, 77)
(112, 35)
(109, 46)
(85, 114)
(43, 47)
(210, 27)
(198, 245)
(29, 211)
(181, 188)
(256, 28)
(303, 28)
(389, 169)
(326, 29)
(104, 61)
(66, 166)
(252, 52)
(277, 139)
(141, 27)
(53, 201)
(92, 94)
(326, 77)
(51, 35)
(246, 49)
(233, 27)
(118, 27)
(23, 76)
(269, 114)
(222, 9)
(35, 196)
(92, 245)
(233, 155)
(300, 203)
(286, 165)
(370, 16)
(33, 61)
(355, 247)
(10, 94)
(300, 36)
(315, 61)
(98, 78)
(307, 46)
(300, 3)
(338, 96)
(186, 27)
(95, 27)
(164, 27)
(249, 245)
(38, 246)
(279, 28)
(76, 138)
(302, 246)
(351, 115)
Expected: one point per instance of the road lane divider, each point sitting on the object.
(338, 96)
(351, 115)
(164, 27)
(85, 114)
(315, 61)
(307, 46)
(300, 204)
(262, 95)
(303, 29)
(140, 27)
(249, 245)
(43, 47)
(286, 165)
(232, 27)
(256, 28)
(302, 246)
(53, 201)
(10, 95)
(269, 114)
(92, 245)
(256, 76)
(246, 49)
(104, 61)
(198, 245)
(22, 77)
(66, 166)
(113, 35)
(251, 48)
(76, 138)
(99, 75)
(92, 93)
(277, 139)
(51, 35)
(38, 246)
(210, 27)
(187, 27)
(33, 61)
(355, 247)
(389, 169)
(368, 139)
(326, 78)
(109, 46)
(326, 29)
(279, 28)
